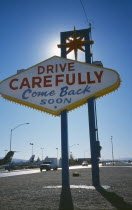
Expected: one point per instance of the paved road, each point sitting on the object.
(32, 171)
(18, 172)
(34, 192)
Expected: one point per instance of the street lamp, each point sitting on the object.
(42, 152)
(14, 129)
(32, 147)
(72, 146)
(112, 150)
(5, 151)
(57, 156)
(85, 153)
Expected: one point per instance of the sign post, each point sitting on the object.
(93, 142)
(64, 135)
(64, 150)
(92, 124)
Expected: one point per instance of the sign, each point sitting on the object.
(57, 84)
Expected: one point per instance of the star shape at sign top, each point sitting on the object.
(75, 42)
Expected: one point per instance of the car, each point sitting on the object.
(48, 165)
(84, 163)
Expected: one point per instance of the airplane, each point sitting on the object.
(7, 159)
(20, 164)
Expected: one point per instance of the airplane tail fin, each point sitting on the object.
(31, 158)
(7, 158)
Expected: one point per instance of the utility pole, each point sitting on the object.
(57, 156)
(13, 130)
(32, 147)
(112, 150)
(42, 152)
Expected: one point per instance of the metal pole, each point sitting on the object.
(112, 150)
(92, 130)
(5, 151)
(85, 153)
(64, 149)
(42, 152)
(92, 123)
(10, 139)
(57, 156)
(11, 133)
(64, 132)
(72, 146)
(32, 147)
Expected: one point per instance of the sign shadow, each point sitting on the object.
(115, 200)
(66, 202)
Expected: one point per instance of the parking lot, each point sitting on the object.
(41, 191)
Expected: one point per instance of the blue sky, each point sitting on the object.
(30, 32)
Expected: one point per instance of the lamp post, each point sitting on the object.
(112, 150)
(85, 153)
(5, 151)
(57, 156)
(70, 153)
(14, 129)
(72, 146)
(32, 147)
(42, 152)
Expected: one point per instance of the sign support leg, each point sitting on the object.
(64, 149)
(93, 142)
(92, 124)
(64, 132)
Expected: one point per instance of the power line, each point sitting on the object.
(85, 13)
(88, 22)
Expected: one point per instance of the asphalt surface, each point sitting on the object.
(5, 173)
(43, 190)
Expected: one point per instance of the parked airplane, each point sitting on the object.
(7, 159)
(21, 164)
